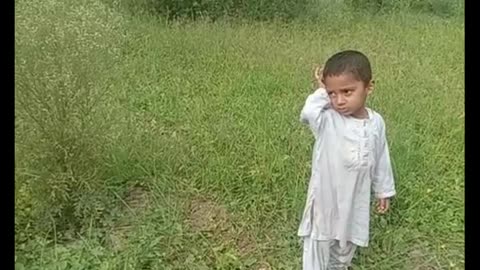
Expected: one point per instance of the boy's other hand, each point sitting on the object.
(383, 205)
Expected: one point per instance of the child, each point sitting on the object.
(350, 156)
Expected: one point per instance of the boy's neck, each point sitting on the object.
(360, 114)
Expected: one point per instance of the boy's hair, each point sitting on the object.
(349, 61)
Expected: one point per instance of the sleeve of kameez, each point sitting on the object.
(315, 104)
(383, 182)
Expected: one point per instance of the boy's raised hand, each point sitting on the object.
(318, 77)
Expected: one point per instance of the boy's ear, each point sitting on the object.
(370, 86)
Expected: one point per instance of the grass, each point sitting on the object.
(208, 113)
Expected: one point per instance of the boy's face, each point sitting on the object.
(347, 94)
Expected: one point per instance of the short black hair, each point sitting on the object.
(349, 61)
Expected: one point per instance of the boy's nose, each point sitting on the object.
(340, 100)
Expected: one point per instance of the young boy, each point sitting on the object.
(350, 156)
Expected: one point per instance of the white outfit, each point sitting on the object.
(350, 157)
(323, 255)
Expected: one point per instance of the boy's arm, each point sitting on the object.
(316, 103)
(383, 183)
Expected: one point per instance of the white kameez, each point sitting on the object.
(350, 157)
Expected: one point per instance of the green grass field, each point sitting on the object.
(203, 119)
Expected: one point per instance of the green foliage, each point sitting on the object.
(213, 9)
(62, 91)
(441, 8)
(286, 10)
(105, 100)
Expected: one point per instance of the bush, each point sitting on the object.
(63, 57)
(442, 8)
(285, 10)
(215, 9)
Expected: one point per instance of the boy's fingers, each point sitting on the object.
(318, 72)
(383, 205)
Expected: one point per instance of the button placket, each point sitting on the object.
(364, 144)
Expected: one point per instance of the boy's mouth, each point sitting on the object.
(342, 110)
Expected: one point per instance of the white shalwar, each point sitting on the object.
(350, 158)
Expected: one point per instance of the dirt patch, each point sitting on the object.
(419, 260)
(207, 216)
(136, 199)
(263, 266)
(246, 243)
